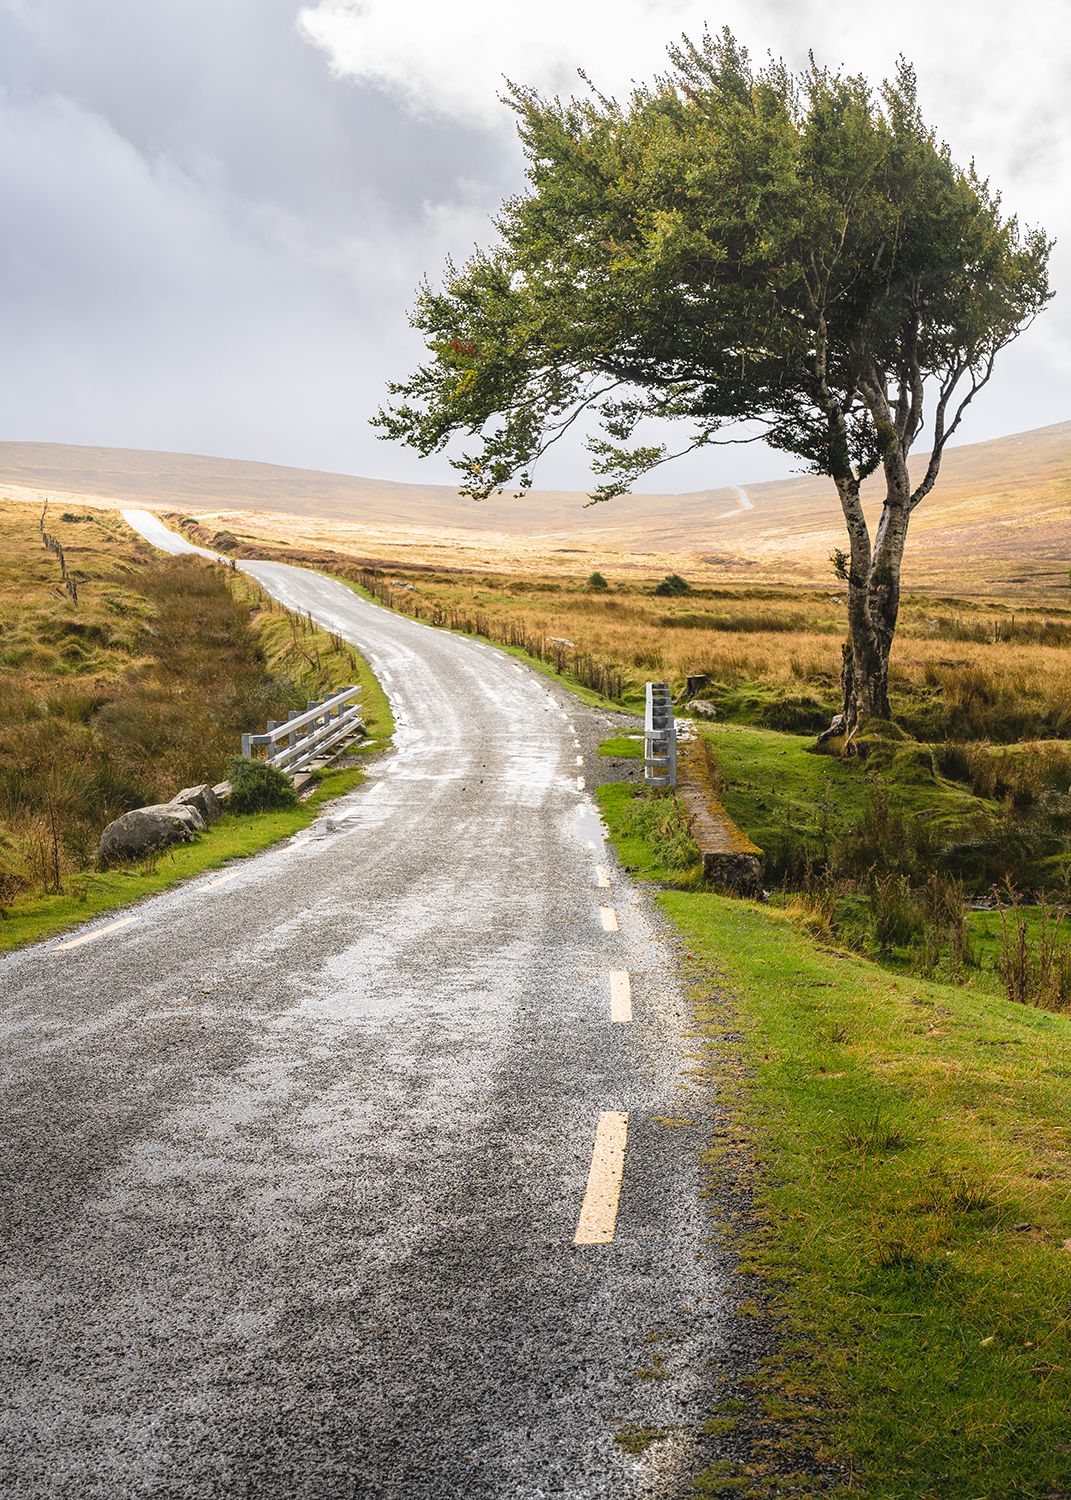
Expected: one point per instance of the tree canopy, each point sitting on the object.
(730, 245)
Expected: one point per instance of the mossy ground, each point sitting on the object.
(775, 784)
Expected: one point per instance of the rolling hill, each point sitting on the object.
(1000, 517)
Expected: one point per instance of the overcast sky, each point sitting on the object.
(215, 212)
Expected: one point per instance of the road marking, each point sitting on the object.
(609, 918)
(598, 1213)
(221, 880)
(620, 995)
(580, 783)
(602, 877)
(91, 937)
(580, 760)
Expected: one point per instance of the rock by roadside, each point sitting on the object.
(145, 829)
(203, 798)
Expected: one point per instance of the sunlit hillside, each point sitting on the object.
(1000, 517)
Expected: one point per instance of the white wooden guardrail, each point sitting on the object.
(659, 737)
(303, 737)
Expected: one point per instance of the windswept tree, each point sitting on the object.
(799, 252)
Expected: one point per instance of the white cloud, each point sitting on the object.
(145, 305)
(993, 85)
(452, 59)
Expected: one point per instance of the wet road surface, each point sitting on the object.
(293, 1162)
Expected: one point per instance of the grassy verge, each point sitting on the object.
(912, 1169)
(651, 833)
(94, 892)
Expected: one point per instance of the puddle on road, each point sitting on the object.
(588, 824)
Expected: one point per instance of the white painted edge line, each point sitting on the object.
(91, 937)
(213, 885)
(598, 1212)
(609, 918)
(602, 877)
(580, 783)
(620, 995)
(580, 760)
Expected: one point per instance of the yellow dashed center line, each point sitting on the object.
(620, 995)
(609, 918)
(598, 1213)
(91, 937)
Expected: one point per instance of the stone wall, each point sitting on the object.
(731, 862)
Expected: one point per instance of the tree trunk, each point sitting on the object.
(873, 610)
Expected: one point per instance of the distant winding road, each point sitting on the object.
(293, 1161)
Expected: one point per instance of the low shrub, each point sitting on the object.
(672, 586)
(1035, 970)
(257, 786)
(896, 911)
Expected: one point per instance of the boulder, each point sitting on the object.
(223, 791)
(702, 709)
(138, 833)
(203, 798)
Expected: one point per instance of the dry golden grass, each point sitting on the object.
(141, 685)
(963, 668)
(968, 670)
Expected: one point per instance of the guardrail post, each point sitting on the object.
(660, 737)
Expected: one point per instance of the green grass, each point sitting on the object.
(623, 746)
(650, 833)
(94, 892)
(908, 1146)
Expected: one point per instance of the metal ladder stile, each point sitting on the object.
(659, 737)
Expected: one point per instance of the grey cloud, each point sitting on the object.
(210, 242)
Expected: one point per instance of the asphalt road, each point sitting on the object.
(292, 1163)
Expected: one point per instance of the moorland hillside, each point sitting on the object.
(999, 518)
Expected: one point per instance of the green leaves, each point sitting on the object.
(727, 245)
